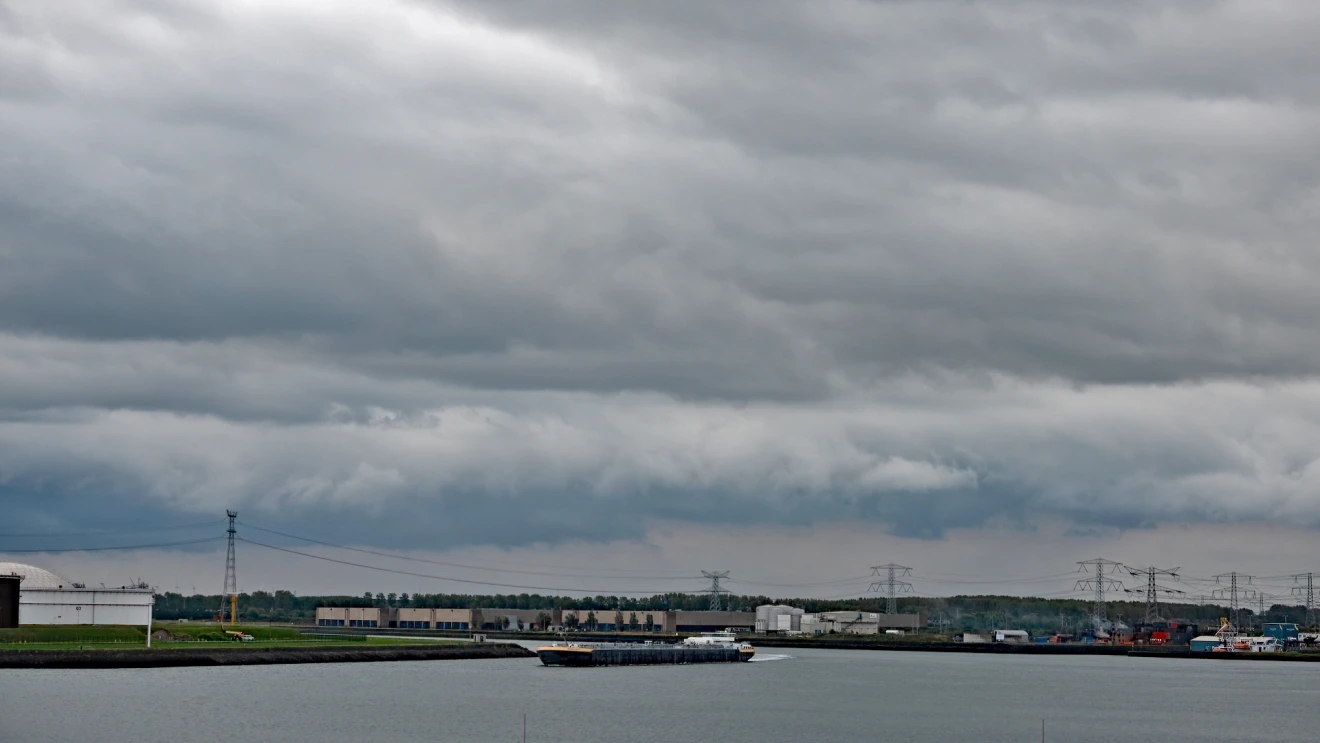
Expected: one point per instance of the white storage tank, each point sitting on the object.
(47, 598)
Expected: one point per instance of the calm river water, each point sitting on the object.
(816, 695)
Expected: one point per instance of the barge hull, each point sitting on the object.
(641, 656)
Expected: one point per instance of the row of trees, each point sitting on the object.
(951, 614)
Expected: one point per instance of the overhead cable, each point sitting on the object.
(451, 579)
(397, 556)
(801, 585)
(108, 549)
(104, 533)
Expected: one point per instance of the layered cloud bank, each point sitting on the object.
(505, 272)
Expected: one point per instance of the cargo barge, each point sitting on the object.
(721, 647)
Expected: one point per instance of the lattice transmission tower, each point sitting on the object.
(1261, 598)
(1308, 591)
(1100, 582)
(230, 596)
(1233, 592)
(1152, 589)
(891, 585)
(715, 591)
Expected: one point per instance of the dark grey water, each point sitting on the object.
(818, 695)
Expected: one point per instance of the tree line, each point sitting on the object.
(953, 613)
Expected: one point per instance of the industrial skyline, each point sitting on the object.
(1100, 577)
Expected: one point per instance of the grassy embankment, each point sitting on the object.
(182, 635)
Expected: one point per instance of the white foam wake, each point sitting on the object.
(760, 658)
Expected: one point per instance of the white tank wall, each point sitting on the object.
(63, 606)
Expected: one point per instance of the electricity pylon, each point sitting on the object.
(1261, 598)
(1233, 592)
(892, 585)
(1308, 591)
(1152, 589)
(716, 602)
(1101, 569)
(230, 596)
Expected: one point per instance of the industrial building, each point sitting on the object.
(451, 619)
(44, 597)
(777, 618)
(599, 620)
(859, 622)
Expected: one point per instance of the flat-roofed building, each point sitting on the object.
(362, 617)
(859, 622)
(407, 618)
(713, 621)
(516, 619)
(453, 619)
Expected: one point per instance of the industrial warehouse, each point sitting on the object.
(770, 619)
(31, 595)
(599, 620)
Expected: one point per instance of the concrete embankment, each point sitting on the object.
(175, 657)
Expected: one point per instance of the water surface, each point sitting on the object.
(816, 695)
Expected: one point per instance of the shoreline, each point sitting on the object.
(188, 657)
(1034, 649)
(1071, 649)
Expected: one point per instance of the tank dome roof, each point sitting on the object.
(33, 576)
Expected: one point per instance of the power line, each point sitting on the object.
(623, 572)
(447, 578)
(841, 581)
(111, 549)
(109, 533)
(980, 579)
(397, 556)
(892, 585)
(1006, 582)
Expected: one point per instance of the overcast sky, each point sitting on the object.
(784, 288)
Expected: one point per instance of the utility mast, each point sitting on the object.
(1100, 570)
(715, 591)
(230, 595)
(1261, 598)
(1233, 592)
(1153, 589)
(1308, 591)
(891, 584)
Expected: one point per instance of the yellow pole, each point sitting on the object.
(233, 609)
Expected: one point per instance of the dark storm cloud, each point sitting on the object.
(925, 263)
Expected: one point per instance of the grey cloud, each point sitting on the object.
(932, 264)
